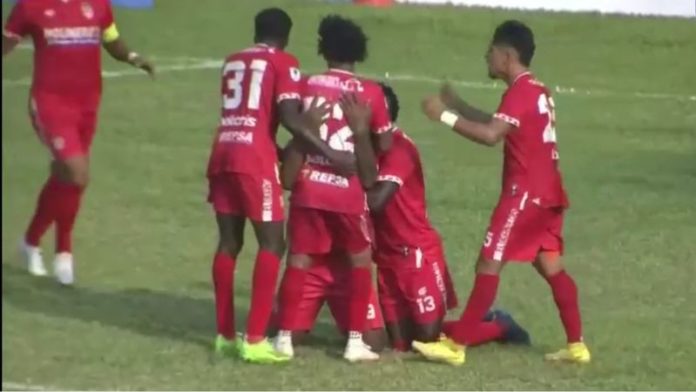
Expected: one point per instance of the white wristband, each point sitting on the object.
(448, 118)
(132, 56)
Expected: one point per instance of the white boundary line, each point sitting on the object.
(192, 64)
(16, 386)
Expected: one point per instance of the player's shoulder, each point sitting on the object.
(402, 142)
(530, 84)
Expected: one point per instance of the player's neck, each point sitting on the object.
(515, 74)
(350, 67)
(271, 43)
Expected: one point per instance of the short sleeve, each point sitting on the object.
(288, 78)
(397, 164)
(18, 24)
(108, 18)
(381, 119)
(512, 107)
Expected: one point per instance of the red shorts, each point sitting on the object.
(520, 229)
(328, 280)
(259, 198)
(318, 232)
(66, 126)
(411, 287)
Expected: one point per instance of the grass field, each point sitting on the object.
(141, 314)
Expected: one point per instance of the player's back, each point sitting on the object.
(319, 186)
(254, 81)
(67, 39)
(531, 154)
(404, 221)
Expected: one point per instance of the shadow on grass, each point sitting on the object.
(147, 312)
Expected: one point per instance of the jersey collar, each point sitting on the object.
(520, 76)
(341, 71)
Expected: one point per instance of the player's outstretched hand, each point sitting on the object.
(448, 96)
(433, 107)
(357, 113)
(145, 65)
(315, 114)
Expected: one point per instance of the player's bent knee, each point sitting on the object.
(548, 264)
(75, 170)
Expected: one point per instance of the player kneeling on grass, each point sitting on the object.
(327, 208)
(327, 281)
(527, 222)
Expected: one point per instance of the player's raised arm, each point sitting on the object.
(358, 115)
(118, 49)
(452, 100)
(489, 133)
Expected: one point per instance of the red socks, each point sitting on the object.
(565, 294)
(262, 293)
(480, 301)
(45, 212)
(360, 290)
(223, 279)
(290, 297)
(59, 202)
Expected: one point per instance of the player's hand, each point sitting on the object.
(448, 96)
(145, 65)
(433, 107)
(343, 162)
(315, 115)
(357, 113)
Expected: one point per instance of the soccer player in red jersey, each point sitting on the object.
(327, 281)
(260, 89)
(328, 209)
(64, 102)
(526, 225)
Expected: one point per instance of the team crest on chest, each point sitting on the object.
(87, 10)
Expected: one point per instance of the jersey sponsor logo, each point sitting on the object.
(239, 137)
(87, 10)
(238, 121)
(328, 179)
(88, 35)
(318, 160)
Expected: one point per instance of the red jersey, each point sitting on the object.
(319, 186)
(67, 39)
(254, 81)
(404, 223)
(531, 157)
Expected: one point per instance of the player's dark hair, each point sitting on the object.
(273, 24)
(392, 101)
(341, 40)
(518, 36)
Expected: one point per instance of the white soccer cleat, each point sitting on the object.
(283, 343)
(34, 260)
(358, 351)
(63, 268)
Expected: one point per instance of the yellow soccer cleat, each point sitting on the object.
(227, 347)
(576, 353)
(445, 350)
(262, 352)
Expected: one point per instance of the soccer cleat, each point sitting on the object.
(63, 268)
(445, 350)
(34, 260)
(227, 347)
(358, 351)
(283, 344)
(514, 333)
(262, 353)
(575, 352)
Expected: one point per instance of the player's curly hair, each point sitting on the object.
(392, 100)
(272, 23)
(517, 35)
(342, 40)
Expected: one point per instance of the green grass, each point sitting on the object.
(141, 315)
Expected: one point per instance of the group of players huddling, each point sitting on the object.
(356, 182)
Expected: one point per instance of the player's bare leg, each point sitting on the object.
(401, 334)
(376, 338)
(565, 294)
(270, 237)
(290, 297)
(58, 202)
(360, 291)
(231, 240)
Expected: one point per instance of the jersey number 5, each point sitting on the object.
(234, 72)
(339, 139)
(546, 106)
